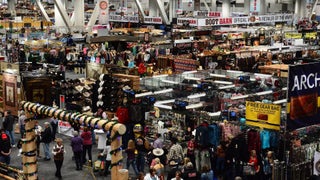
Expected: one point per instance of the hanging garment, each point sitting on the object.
(123, 115)
(135, 113)
(214, 135)
(202, 136)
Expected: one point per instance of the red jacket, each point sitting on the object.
(87, 139)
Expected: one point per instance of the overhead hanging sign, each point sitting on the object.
(189, 21)
(311, 35)
(289, 35)
(103, 12)
(119, 18)
(153, 20)
(263, 115)
(239, 20)
(303, 95)
(206, 14)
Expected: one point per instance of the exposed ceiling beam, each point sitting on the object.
(43, 11)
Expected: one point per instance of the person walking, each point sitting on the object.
(38, 130)
(8, 126)
(5, 147)
(107, 151)
(54, 126)
(77, 148)
(46, 138)
(21, 121)
(175, 151)
(131, 157)
(58, 152)
(1, 120)
(87, 144)
(158, 142)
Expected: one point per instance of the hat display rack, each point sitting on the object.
(109, 93)
(117, 130)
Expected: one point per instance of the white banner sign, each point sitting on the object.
(65, 128)
(190, 21)
(118, 18)
(206, 14)
(153, 20)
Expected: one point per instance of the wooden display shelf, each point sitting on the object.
(280, 69)
(135, 80)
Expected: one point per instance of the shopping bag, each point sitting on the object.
(248, 170)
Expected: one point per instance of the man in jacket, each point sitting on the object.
(8, 126)
(46, 139)
(77, 148)
(5, 147)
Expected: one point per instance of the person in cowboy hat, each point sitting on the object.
(173, 169)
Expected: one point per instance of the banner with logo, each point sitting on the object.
(263, 115)
(303, 95)
(103, 12)
(65, 128)
(119, 18)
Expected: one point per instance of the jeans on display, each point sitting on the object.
(46, 150)
(78, 159)
(58, 164)
(5, 159)
(84, 153)
(202, 158)
(134, 165)
(141, 161)
(11, 135)
(93, 136)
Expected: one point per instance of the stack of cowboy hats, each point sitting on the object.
(107, 93)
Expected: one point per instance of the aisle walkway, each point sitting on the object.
(46, 169)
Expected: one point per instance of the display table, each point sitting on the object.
(280, 69)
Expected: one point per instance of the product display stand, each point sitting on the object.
(116, 129)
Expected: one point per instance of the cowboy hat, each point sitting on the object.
(86, 108)
(158, 152)
(173, 163)
(87, 87)
(79, 88)
(86, 94)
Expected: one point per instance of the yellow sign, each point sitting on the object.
(311, 35)
(263, 115)
(293, 35)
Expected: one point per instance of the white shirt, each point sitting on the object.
(106, 151)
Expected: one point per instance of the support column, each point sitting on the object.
(247, 7)
(262, 7)
(213, 5)
(43, 11)
(79, 14)
(302, 8)
(163, 13)
(226, 8)
(61, 16)
(153, 10)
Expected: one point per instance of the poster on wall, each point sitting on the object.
(263, 115)
(10, 93)
(103, 12)
(303, 95)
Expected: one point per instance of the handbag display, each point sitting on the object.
(248, 170)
